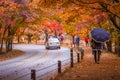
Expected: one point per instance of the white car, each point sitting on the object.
(53, 43)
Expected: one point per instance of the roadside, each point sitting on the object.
(10, 55)
(108, 69)
(15, 52)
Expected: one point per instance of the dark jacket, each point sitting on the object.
(96, 45)
(77, 40)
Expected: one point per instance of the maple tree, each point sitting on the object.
(103, 11)
(51, 27)
(19, 15)
(12, 18)
(74, 16)
(100, 13)
(110, 7)
(7, 22)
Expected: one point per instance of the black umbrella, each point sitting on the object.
(100, 35)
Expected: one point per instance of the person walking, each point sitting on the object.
(98, 37)
(96, 50)
(86, 41)
(61, 38)
(77, 40)
(74, 40)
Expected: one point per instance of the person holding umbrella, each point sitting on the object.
(99, 36)
(96, 50)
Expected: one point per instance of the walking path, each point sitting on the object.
(87, 69)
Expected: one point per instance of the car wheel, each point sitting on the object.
(47, 48)
(59, 47)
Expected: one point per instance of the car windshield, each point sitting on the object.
(53, 40)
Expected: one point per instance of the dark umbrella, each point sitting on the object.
(100, 35)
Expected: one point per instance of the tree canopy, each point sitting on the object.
(71, 16)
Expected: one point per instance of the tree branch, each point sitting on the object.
(107, 10)
(113, 20)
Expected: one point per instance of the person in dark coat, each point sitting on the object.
(96, 50)
(77, 41)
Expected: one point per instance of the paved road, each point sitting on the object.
(36, 57)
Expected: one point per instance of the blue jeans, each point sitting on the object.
(96, 54)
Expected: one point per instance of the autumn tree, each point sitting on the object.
(12, 17)
(8, 17)
(110, 8)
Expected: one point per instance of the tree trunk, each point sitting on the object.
(3, 40)
(117, 46)
(55, 33)
(11, 42)
(46, 36)
(18, 38)
(8, 40)
(6, 45)
(36, 41)
(109, 46)
(116, 22)
(29, 38)
(1, 47)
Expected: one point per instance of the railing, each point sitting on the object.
(24, 77)
(45, 73)
(55, 69)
